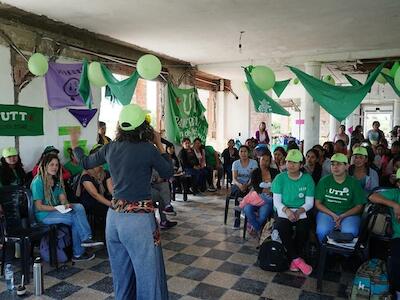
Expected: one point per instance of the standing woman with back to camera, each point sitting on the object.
(132, 234)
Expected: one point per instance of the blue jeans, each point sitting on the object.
(80, 227)
(136, 260)
(326, 224)
(264, 212)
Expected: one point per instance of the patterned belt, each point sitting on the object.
(123, 206)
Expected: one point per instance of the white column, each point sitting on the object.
(222, 115)
(396, 112)
(333, 127)
(311, 110)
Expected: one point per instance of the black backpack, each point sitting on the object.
(272, 257)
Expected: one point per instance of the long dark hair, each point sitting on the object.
(45, 177)
(7, 175)
(142, 133)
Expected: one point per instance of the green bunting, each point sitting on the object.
(184, 115)
(353, 81)
(390, 80)
(263, 102)
(280, 86)
(84, 85)
(339, 101)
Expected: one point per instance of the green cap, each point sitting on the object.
(9, 151)
(339, 157)
(294, 155)
(131, 117)
(360, 151)
(398, 174)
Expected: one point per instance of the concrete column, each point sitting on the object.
(333, 127)
(311, 110)
(222, 115)
(396, 112)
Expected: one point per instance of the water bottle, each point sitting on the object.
(38, 277)
(9, 275)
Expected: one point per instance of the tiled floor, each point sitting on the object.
(204, 260)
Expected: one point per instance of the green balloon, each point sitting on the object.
(296, 81)
(148, 66)
(264, 77)
(382, 79)
(397, 79)
(394, 69)
(95, 75)
(329, 79)
(38, 64)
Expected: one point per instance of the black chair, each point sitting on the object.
(183, 182)
(361, 248)
(235, 197)
(18, 225)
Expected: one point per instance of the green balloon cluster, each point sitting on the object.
(382, 79)
(263, 77)
(38, 64)
(95, 75)
(397, 79)
(148, 67)
(329, 79)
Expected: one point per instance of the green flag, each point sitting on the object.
(390, 80)
(17, 120)
(84, 85)
(184, 115)
(339, 101)
(280, 86)
(263, 102)
(122, 90)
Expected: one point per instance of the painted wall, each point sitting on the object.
(35, 95)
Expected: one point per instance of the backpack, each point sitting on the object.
(380, 222)
(63, 241)
(272, 257)
(371, 281)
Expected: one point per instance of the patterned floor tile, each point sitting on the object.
(236, 295)
(104, 285)
(194, 273)
(221, 279)
(250, 286)
(182, 258)
(206, 243)
(289, 279)
(314, 296)
(207, 263)
(64, 272)
(103, 267)
(207, 291)
(232, 268)
(278, 291)
(181, 285)
(85, 278)
(88, 294)
(61, 290)
(218, 254)
(197, 233)
(195, 250)
(174, 246)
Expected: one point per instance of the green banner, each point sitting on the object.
(65, 130)
(17, 120)
(339, 101)
(280, 86)
(184, 115)
(263, 102)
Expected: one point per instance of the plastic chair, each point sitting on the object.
(19, 225)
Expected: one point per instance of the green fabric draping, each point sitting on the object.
(390, 80)
(184, 115)
(84, 85)
(339, 101)
(280, 86)
(353, 81)
(263, 102)
(122, 90)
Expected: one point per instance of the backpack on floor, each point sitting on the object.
(63, 241)
(371, 281)
(272, 257)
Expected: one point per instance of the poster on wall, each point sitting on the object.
(62, 85)
(17, 120)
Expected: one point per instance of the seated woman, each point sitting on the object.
(293, 193)
(51, 149)
(198, 149)
(48, 192)
(339, 200)
(12, 171)
(391, 198)
(279, 162)
(312, 165)
(95, 189)
(229, 155)
(361, 171)
(241, 170)
(261, 179)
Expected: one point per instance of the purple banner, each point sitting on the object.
(83, 115)
(62, 85)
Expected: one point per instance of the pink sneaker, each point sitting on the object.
(293, 267)
(301, 264)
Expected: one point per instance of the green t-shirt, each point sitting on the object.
(210, 156)
(394, 195)
(37, 189)
(340, 197)
(73, 168)
(294, 192)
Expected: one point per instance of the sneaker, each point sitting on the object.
(167, 224)
(91, 243)
(169, 210)
(293, 267)
(301, 264)
(212, 189)
(84, 257)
